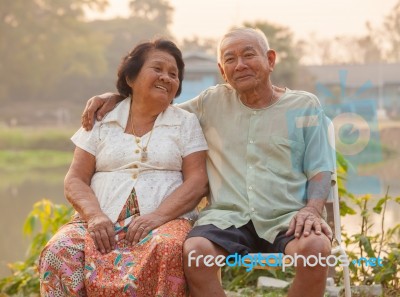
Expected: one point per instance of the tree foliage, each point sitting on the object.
(42, 41)
(159, 11)
(391, 29)
(51, 56)
(196, 43)
(379, 44)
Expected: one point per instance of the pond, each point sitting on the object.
(16, 201)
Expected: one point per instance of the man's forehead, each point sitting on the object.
(231, 49)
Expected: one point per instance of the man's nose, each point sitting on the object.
(240, 64)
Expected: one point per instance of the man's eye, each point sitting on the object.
(229, 60)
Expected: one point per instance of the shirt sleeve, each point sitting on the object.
(192, 136)
(87, 140)
(193, 106)
(319, 152)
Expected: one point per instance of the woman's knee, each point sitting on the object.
(60, 250)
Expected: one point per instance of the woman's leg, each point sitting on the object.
(160, 272)
(61, 263)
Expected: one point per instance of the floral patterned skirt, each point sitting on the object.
(70, 264)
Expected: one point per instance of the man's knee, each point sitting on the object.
(310, 245)
(197, 251)
(195, 248)
(317, 245)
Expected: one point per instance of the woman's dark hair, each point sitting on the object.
(132, 63)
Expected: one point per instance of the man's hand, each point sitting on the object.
(140, 227)
(101, 229)
(98, 106)
(307, 219)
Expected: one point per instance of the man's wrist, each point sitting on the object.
(315, 209)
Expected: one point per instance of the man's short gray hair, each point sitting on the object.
(255, 32)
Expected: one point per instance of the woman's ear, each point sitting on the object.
(129, 81)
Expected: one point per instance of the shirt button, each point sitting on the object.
(250, 167)
(137, 140)
(252, 141)
(134, 176)
(137, 151)
(254, 112)
(250, 188)
(252, 209)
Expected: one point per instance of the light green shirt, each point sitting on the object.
(259, 160)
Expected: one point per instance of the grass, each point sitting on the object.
(26, 160)
(36, 139)
(18, 167)
(34, 154)
(252, 291)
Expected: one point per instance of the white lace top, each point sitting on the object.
(176, 134)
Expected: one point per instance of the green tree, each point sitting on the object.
(281, 40)
(391, 33)
(42, 42)
(195, 43)
(159, 11)
(120, 36)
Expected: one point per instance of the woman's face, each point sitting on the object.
(158, 80)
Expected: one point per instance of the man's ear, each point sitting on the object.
(221, 70)
(271, 56)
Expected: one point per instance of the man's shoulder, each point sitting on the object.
(218, 89)
(176, 114)
(303, 97)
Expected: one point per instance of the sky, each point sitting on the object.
(323, 18)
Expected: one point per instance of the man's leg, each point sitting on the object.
(309, 281)
(202, 280)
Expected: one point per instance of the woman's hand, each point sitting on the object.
(140, 227)
(101, 229)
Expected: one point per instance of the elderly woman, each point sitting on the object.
(134, 182)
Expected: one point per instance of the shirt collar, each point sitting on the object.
(120, 115)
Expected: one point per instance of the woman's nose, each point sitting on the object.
(165, 77)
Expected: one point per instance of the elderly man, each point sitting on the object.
(269, 165)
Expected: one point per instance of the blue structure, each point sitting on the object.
(201, 72)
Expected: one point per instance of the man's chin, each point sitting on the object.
(243, 86)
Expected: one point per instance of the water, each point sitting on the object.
(16, 201)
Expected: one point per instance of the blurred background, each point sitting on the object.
(55, 55)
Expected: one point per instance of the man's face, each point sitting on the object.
(243, 63)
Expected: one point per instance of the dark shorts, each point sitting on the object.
(242, 240)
